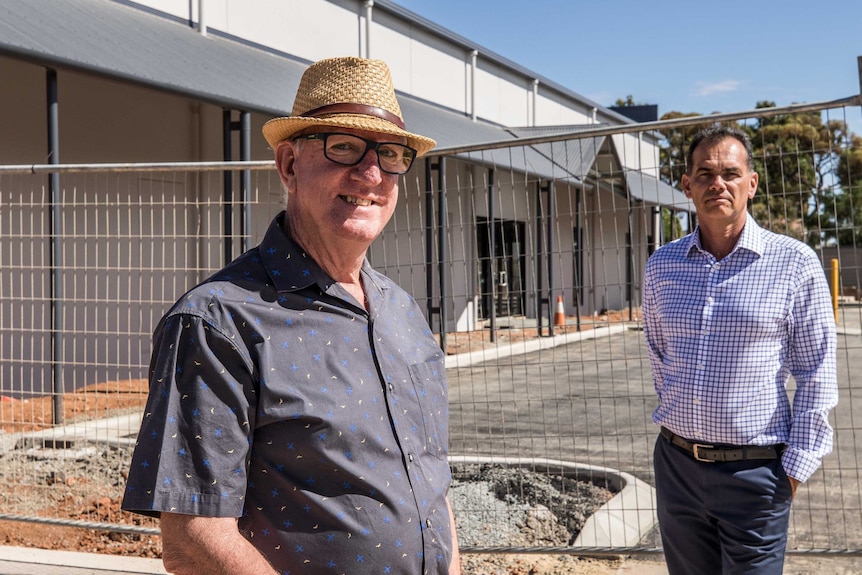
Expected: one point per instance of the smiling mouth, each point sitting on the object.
(356, 201)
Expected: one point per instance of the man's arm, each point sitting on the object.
(812, 362)
(455, 564)
(193, 545)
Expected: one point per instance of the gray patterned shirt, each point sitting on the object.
(275, 398)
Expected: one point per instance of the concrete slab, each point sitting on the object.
(30, 561)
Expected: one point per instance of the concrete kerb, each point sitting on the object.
(621, 522)
(531, 345)
(79, 562)
(118, 431)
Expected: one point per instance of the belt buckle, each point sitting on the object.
(696, 446)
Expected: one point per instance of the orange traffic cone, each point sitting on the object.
(560, 313)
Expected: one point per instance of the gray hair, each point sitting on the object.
(714, 134)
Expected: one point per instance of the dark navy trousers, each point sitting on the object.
(721, 518)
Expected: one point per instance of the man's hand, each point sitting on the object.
(455, 565)
(794, 483)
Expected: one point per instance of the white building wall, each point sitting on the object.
(551, 112)
(424, 64)
(499, 99)
(421, 65)
(310, 29)
(637, 153)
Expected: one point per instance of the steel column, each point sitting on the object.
(492, 242)
(429, 242)
(245, 178)
(55, 224)
(442, 247)
(550, 232)
(440, 309)
(539, 254)
(227, 199)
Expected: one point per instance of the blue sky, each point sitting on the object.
(684, 55)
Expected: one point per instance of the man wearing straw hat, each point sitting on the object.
(297, 417)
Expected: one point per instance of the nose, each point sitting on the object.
(368, 168)
(717, 183)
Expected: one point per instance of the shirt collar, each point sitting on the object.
(290, 268)
(287, 265)
(750, 240)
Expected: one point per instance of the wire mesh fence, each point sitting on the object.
(528, 260)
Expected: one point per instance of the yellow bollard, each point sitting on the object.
(835, 287)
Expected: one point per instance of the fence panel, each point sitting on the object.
(531, 268)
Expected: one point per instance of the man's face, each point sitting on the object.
(719, 182)
(330, 202)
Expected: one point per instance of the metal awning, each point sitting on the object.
(118, 41)
(575, 158)
(652, 191)
(115, 40)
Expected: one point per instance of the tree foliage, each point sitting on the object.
(810, 173)
(627, 101)
(846, 207)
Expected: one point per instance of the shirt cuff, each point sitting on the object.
(799, 464)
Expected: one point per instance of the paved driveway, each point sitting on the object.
(591, 402)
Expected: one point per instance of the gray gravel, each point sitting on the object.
(499, 506)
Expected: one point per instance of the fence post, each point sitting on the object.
(835, 287)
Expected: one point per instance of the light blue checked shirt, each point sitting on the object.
(724, 337)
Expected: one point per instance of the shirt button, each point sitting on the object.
(700, 366)
(391, 387)
(709, 299)
(716, 267)
(428, 523)
(410, 456)
(697, 400)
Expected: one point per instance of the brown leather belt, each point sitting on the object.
(723, 453)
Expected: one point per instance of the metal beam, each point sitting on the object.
(649, 126)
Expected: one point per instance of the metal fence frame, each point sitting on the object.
(436, 264)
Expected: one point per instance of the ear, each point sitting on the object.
(686, 185)
(753, 184)
(285, 161)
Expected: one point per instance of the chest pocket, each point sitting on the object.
(429, 385)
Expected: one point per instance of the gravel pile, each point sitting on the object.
(498, 506)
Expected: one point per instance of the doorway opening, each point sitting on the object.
(501, 274)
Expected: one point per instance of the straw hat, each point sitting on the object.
(345, 93)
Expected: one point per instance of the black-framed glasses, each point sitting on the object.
(348, 150)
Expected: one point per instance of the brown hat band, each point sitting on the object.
(363, 109)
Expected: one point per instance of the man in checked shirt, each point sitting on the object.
(730, 312)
